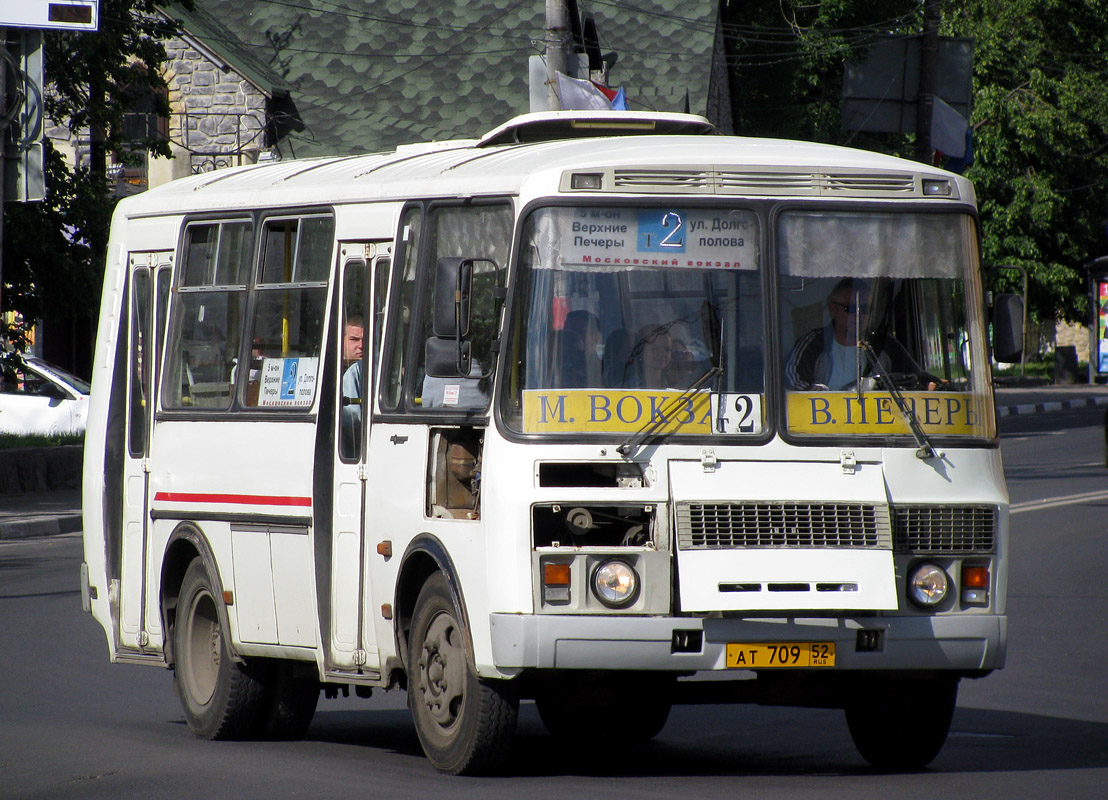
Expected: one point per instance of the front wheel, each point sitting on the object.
(221, 698)
(464, 723)
(901, 724)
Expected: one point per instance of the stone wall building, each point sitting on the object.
(218, 118)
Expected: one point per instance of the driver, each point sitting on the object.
(829, 358)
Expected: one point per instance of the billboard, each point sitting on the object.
(83, 15)
(879, 91)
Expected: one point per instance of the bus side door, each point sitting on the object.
(147, 304)
(353, 641)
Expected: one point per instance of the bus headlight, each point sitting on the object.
(615, 583)
(928, 585)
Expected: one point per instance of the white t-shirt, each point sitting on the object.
(844, 365)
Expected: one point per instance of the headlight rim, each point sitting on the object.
(631, 596)
(911, 588)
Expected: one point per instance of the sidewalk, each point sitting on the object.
(49, 513)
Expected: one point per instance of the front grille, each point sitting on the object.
(711, 526)
(944, 529)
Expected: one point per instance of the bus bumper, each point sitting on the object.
(966, 643)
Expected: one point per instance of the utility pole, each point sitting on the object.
(557, 29)
(928, 66)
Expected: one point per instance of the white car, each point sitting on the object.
(40, 398)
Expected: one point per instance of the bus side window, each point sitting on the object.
(355, 348)
(207, 315)
(289, 308)
(483, 233)
(392, 382)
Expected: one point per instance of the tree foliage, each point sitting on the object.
(54, 250)
(1040, 114)
(1041, 139)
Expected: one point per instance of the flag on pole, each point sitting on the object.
(582, 95)
(948, 129)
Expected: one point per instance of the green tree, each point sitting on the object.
(54, 250)
(1040, 114)
(1040, 139)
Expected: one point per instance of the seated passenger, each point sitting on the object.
(655, 358)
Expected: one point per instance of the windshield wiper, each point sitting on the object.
(924, 449)
(641, 435)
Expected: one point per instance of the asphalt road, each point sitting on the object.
(73, 726)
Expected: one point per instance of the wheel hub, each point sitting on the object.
(441, 669)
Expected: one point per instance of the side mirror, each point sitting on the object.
(1008, 327)
(453, 287)
(447, 358)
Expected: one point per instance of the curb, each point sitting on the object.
(31, 526)
(1056, 405)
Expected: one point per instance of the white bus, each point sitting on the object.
(571, 413)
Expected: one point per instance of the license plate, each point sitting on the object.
(782, 654)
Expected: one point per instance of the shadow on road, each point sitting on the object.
(748, 741)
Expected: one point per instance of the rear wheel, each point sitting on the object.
(291, 700)
(221, 698)
(464, 723)
(901, 724)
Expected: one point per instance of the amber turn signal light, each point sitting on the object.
(975, 577)
(555, 574)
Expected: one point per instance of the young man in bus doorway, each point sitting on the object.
(353, 348)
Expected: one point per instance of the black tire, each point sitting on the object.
(464, 723)
(222, 698)
(291, 701)
(901, 724)
(575, 713)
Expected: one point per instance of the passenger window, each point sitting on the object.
(291, 298)
(208, 307)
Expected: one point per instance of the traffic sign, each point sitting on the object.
(54, 14)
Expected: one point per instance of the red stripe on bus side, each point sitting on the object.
(236, 499)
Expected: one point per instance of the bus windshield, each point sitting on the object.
(874, 305)
(625, 308)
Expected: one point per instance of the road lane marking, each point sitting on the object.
(1053, 502)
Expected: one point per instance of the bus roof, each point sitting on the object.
(634, 159)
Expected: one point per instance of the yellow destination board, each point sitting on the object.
(939, 413)
(615, 410)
